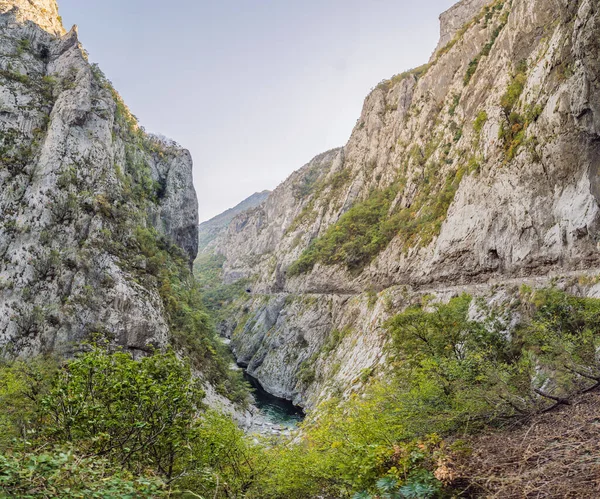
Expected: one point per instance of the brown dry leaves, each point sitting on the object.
(554, 455)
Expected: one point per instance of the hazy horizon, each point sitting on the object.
(253, 91)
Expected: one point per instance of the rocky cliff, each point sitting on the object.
(83, 189)
(476, 172)
(208, 231)
(453, 20)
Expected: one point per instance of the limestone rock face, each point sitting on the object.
(80, 182)
(43, 13)
(490, 157)
(175, 212)
(456, 17)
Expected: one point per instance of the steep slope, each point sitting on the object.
(531, 459)
(209, 230)
(87, 198)
(479, 167)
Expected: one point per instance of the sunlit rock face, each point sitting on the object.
(491, 156)
(454, 19)
(78, 181)
(43, 13)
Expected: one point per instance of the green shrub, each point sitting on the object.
(23, 46)
(513, 93)
(514, 128)
(138, 413)
(62, 473)
(480, 121)
(68, 429)
(471, 70)
(454, 105)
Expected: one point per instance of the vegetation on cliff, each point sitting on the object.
(369, 226)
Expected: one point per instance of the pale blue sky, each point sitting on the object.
(253, 88)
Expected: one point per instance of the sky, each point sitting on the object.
(253, 88)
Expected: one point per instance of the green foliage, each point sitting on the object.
(105, 425)
(480, 121)
(191, 326)
(447, 375)
(349, 447)
(487, 48)
(513, 130)
(22, 385)
(478, 371)
(64, 474)
(224, 463)
(140, 414)
(335, 338)
(471, 68)
(216, 295)
(389, 488)
(454, 105)
(394, 80)
(563, 336)
(23, 46)
(307, 373)
(16, 77)
(515, 89)
(367, 228)
(309, 182)
(314, 184)
(354, 240)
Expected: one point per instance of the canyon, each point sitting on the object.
(485, 160)
(423, 293)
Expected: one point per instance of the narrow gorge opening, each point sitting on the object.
(276, 410)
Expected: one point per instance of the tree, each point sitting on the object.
(138, 413)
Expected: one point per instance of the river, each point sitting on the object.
(275, 410)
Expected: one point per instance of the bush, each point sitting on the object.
(62, 473)
(480, 121)
(514, 128)
(139, 413)
(515, 89)
(69, 429)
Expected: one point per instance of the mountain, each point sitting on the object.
(91, 206)
(476, 173)
(212, 228)
(429, 293)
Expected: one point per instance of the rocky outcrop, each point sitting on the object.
(42, 13)
(480, 167)
(253, 236)
(175, 210)
(455, 18)
(80, 186)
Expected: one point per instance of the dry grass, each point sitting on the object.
(553, 455)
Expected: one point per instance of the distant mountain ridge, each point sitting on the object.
(210, 229)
